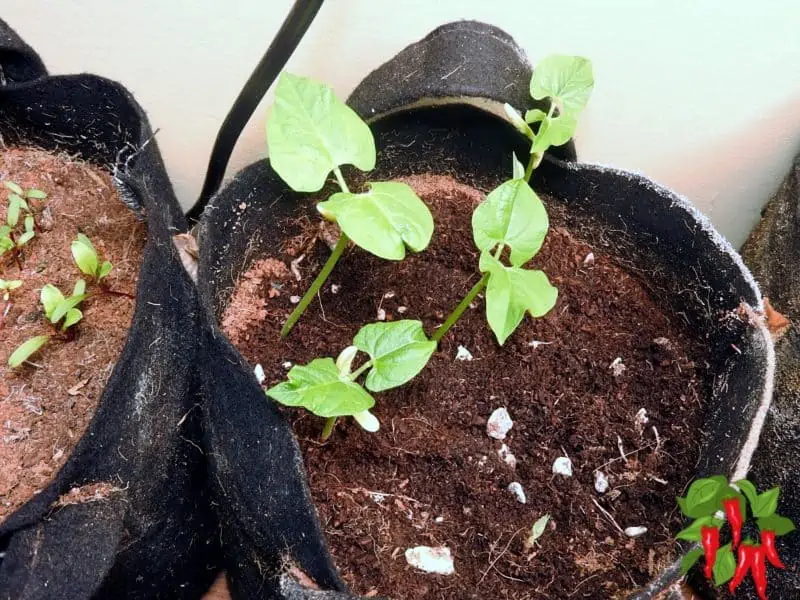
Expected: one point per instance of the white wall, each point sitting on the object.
(701, 95)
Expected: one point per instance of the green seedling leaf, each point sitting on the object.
(13, 187)
(50, 297)
(29, 222)
(536, 531)
(35, 194)
(517, 168)
(512, 214)
(518, 122)
(345, 360)
(725, 565)
(692, 532)
(766, 504)
(780, 525)
(12, 213)
(567, 80)
(65, 306)
(310, 132)
(554, 131)
(398, 350)
(25, 238)
(535, 115)
(79, 289)
(73, 316)
(511, 292)
(10, 285)
(384, 220)
(105, 269)
(318, 388)
(26, 350)
(85, 255)
(689, 559)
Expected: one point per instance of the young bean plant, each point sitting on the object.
(61, 311)
(512, 218)
(397, 352)
(311, 133)
(13, 236)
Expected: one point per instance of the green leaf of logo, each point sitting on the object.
(512, 214)
(780, 525)
(692, 532)
(748, 489)
(317, 387)
(702, 495)
(384, 220)
(511, 292)
(766, 504)
(398, 350)
(724, 566)
(568, 80)
(310, 132)
(689, 559)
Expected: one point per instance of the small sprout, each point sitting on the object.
(26, 350)
(431, 560)
(499, 424)
(86, 258)
(515, 487)
(8, 286)
(536, 532)
(563, 466)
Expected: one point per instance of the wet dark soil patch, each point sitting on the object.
(45, 407)
(607, 378)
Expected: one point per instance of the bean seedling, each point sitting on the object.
(57, 309)
(397, 352)
(310, 133)
(511, 217)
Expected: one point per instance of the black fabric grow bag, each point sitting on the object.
(156, 538)
(257, 469)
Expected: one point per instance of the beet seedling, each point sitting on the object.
(397, 352)
(11, 239)
(62, 312)
(310, 133)
(86, 258)
(6, 287)
(513, 216)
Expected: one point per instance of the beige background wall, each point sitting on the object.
(700, 95)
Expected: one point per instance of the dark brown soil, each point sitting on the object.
(431, 476)
(45, 408)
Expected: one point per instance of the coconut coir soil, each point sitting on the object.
(44, 409)
(431, 475)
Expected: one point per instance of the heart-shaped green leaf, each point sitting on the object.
(384, 220)
(511, 292)
(399, 350)
(512, 214)
(26, 350)
(317, 387)
(310, 132)
(567, 80)
(767, 503)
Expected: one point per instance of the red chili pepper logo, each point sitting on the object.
(713, 503)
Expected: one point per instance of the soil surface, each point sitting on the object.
(45, 406)
(606, 373)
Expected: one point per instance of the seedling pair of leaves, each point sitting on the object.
(6, 287)
(61, 311)
(397, 352)
(704, 503)
(11, 238)
(311, 133)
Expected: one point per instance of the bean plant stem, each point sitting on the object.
(357, 373)
(323, 274)
(330, 423)
(536, 157)
(459, 310)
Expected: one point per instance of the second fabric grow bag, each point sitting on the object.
(157, 537)
(455, 125)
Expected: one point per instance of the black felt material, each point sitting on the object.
(157, 537)
(646, 227)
